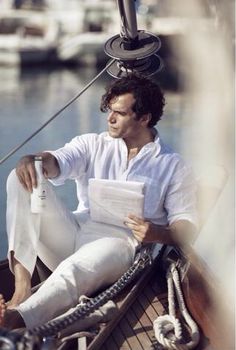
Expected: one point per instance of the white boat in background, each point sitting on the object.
(98, 22)
(75, 31)
(84, 48)
(59, 33)
(27, 37)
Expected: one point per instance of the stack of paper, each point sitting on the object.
(111, 201)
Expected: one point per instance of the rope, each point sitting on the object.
(15, 149)
(88, 305)
(37, 337)
(167, 328)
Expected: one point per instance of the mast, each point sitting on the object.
(133, 50)
(128, 24)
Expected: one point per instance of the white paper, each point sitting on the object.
(111, 201)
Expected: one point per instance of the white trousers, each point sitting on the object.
(84, 256)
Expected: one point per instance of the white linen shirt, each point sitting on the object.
(169, 184)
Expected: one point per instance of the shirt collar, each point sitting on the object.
(156, 144)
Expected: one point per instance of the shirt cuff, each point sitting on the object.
(60, 179)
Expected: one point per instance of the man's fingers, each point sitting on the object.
(26, 173)
(134, 219)
(127, 220)
(138, 236)
(28, 181)
(130, 225)
(27, 178)
(22, 181)
(33, 176)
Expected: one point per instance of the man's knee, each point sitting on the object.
(13, 184)
(12, 179)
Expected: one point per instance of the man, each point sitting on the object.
(83, 255)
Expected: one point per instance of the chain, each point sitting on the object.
(33, 339)
(142, 260)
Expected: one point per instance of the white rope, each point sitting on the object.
(167, 328)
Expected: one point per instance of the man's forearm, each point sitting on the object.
(179, 233)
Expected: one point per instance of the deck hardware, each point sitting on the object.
(133, 50)
(6, 344)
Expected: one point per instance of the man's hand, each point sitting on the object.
(180, 233)
(26, 172)
(144, 231)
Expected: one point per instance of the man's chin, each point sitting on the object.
(113, 134)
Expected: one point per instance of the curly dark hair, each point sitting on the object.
(147, 93)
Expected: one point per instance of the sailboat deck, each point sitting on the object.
(142, 304)
(135, 329)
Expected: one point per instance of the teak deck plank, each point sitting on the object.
(149, 309)
(120, 340)
(138, 329)
(129, 334)
(138, 320)
(124, 302)
(110, 344)
(154, 300)
(151, 295)
(141, 306)
(143, 319)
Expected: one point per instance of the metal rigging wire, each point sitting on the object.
(15, 149)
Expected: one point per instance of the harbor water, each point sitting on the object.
(29, 97)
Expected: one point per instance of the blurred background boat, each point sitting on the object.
(68, 32)
(98, 22)
(27, 37)
(74, 32)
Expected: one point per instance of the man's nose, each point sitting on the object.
(111, 117)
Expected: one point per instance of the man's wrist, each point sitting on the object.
(50, 165)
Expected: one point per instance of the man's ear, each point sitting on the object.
(146, 119)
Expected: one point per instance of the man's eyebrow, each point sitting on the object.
(118, 111)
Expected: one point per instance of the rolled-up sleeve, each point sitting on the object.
(181, 197)
(72, 159)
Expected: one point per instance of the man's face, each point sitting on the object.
(121, 118)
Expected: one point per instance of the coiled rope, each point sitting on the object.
(167, 328)
(15, 149)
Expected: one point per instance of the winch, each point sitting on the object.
(133, 50)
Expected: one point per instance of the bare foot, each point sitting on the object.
(22, 292)
(10, 319)
(2, 309)
(22, 285)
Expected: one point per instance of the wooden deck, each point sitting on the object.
(135, 329)
(139, 306)
(145, 299)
